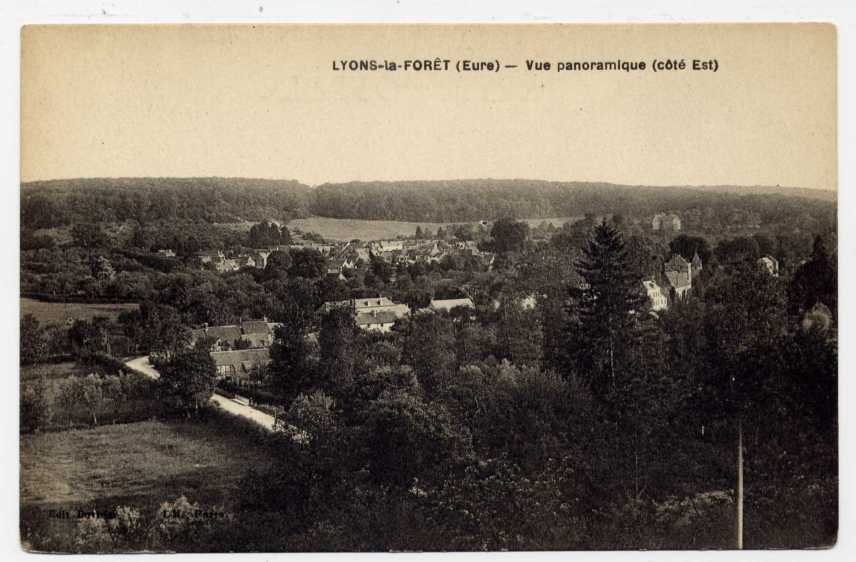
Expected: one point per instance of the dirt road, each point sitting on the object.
(143, 366)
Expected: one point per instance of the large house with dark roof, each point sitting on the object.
(246, 334)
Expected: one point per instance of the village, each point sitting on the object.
(241, 350)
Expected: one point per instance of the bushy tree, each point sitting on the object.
(292, 370)
(33, 344)
(187, 380)
(340, 352)
(409, 438)
(36, 408)
(509, 235)
(429, 347)
(688, 246)
(307, 263)
(814, 282)
(277, 265)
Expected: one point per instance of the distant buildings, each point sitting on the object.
(675, 284)
(770, 265)
(450, 304)
(666, 222)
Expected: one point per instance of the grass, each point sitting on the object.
(348, 229)
(61, 312)
(57, 371)
(138, 463)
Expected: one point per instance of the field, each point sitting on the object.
(156, 460)
(60, 312)
(57, 371)
(349, 229)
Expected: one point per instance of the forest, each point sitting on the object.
(57, 203)
(153, 201)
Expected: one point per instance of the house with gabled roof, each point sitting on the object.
(248, 333)
(678, 272)
(238, 364)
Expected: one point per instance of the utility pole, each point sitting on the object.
(740, 484)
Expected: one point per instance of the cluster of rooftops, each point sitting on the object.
(237, 349)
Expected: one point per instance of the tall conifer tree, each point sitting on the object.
(608, 310)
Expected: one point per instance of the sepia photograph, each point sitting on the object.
(291, 288)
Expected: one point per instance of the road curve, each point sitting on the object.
(144, 367)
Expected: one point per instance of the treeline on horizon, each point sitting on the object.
(57, 203)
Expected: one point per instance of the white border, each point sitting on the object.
(842, 13)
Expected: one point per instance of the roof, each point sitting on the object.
(229, 333)
(241, 357)
(376, 317)
(257, 340)
(449, 304)
(649, 284)
(678, 279)
(678, 260)
(374, 301)
(255, 327)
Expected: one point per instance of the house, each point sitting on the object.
(246, 261)
(337, 265)
(211, 256)
(678, 272)
(325, 249)
(219, 337)
(666, 222)
(770, 265)
(656, 296)
(240, 363)
(227, 264)
(259, 333)
(376, 320)
(449, 304)
(380, 246)
(248, 333)
(166, 253)
(376, 313)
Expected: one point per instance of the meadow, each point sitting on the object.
(159, 460)
(349, 229)
(61, 312)
(139, 464)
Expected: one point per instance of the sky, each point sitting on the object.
(264, 101)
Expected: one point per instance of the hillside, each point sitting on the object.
(469, 200)
(56, 203)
